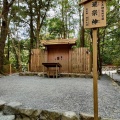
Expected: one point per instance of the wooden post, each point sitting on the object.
(56, 71)
(94, 21)
(48, 72)
(28, 67)
(43, 70)
(95, 74)
(10, 69)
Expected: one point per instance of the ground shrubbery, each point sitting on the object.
(116, 61)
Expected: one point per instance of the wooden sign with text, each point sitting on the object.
(94, 17)
(95, 14)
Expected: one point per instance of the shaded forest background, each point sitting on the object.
(24, 23)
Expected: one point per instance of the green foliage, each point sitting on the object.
(6, 61)
(109, 35)
(23, 46)
(55, 27)
(116, 61)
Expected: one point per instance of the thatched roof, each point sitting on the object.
(58, 41)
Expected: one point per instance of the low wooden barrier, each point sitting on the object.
(8, 69)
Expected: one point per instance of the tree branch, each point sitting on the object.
(11, 3)
(48, 5)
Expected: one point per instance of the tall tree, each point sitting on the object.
(37, 12)
(4, 29)
(66, 11)
(82, 32)
(40, 9)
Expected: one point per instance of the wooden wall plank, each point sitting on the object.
(37, 57)
(80, 60)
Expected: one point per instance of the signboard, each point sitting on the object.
(94, 17)
(95, 14)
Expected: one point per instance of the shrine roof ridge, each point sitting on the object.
(59, 41)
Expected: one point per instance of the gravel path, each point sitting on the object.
(116, 77)
(62, 94)
(113, 74)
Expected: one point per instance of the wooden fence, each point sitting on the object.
(79, 60)
(37, 57)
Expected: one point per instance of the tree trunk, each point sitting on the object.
(32, 37)
(63, 34)
(2, 44)
(4, 30)
(99, 60)
(79, 22)
(8, 53)
(16, 50)
(38, 31)
(82, 43)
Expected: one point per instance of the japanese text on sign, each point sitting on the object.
(95, 14)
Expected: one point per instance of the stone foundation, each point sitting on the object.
(61, 75)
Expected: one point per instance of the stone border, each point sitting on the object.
(61, 75)
(115, 82)
(14, 111)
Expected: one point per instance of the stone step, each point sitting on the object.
(2, 104)
(7, 117)
(11, 108)
(1, 113)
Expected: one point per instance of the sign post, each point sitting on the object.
(95, 74)
(94, 17)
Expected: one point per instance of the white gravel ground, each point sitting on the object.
(62, 94)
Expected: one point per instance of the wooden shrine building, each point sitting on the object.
(73, 60)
